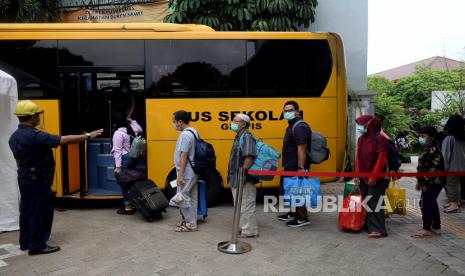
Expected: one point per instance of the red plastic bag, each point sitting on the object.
(352, 216)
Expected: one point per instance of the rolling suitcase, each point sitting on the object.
(202, 212)
(149, 200)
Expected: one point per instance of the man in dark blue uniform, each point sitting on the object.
(32, 150)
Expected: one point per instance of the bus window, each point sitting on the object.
(33, 64)
(101, 52)
(195, 68)
(288, 68)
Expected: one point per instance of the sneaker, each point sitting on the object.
(298, 223)
(286, 217)
(124, 211)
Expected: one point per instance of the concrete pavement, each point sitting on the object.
(100, 242)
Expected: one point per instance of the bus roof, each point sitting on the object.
(19, 31)
(96, 27)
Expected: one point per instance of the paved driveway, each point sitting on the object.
(100, 242)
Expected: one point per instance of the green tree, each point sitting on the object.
(415, 90)
(380, 85)
(244, 15)
(29, 11)
(393, 115)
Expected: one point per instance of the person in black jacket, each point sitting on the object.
(430, 160)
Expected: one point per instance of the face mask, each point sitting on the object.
(289, 115)
(361, 129)
(422, 141)
(40, 121)
(176, 127)
(235, 127)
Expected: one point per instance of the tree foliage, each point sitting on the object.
(28, 11)
(415, 90)
(393, 115)
(244, 15)
(405, 105)
(380, 85)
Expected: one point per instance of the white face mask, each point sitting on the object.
(176, 127)
(361, 129)
(289, 115)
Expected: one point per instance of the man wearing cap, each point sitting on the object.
(243, 155)
(32, 149)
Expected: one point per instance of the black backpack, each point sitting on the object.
(394, 160)
(204, 157)
(318, 151)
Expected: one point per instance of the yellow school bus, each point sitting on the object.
(75, 72)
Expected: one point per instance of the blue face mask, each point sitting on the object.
(289, 115)
(361, 129)
(235, 127)
(422, 141)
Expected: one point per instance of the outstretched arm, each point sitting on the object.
(72, 139)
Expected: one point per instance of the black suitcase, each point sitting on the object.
(149, 199)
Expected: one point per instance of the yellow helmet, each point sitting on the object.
(26, 108)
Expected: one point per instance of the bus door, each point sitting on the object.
(92, 99)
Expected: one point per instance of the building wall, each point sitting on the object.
(348, 18)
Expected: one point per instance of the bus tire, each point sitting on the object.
(214, 183)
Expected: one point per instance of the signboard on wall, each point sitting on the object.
(143, 12)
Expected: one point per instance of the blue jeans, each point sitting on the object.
(127, 162)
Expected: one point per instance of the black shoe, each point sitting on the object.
(23, 248)
(47, 250)
(124, 211)
(286, 217)
(298, 223)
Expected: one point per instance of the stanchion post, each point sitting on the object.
(234, 246)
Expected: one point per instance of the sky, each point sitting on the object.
(405, 31)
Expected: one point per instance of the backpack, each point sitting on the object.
(204, 157)
(266, 159)
(138, 147)
(394, 159)
(319, 150)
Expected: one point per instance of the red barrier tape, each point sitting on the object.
(353, 174)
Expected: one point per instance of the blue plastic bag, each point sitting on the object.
(300, 190)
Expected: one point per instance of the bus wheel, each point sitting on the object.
(168, 190)
(214, 188)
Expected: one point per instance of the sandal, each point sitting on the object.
(451, 209)
(376, 235)
(183, 222)
(436, 231)
(422, 234)
(185, 228)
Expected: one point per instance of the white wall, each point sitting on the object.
(348, 18)
(440, 98)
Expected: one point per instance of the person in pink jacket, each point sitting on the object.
(126, 129)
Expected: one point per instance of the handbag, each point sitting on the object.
(348, 186)
(127, 177)
(352, 215)
(397, 199)
(302, 191)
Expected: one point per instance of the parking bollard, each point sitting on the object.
(234, 246)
